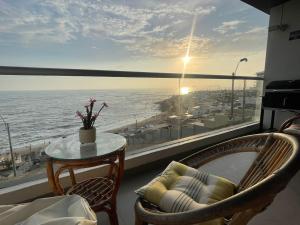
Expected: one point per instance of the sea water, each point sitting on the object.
(41, 116)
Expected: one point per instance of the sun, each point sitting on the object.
(186, 59)
(184, 90)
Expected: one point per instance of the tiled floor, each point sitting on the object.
(285, 210)
(127, 197)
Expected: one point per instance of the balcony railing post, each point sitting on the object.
(10, 146)
(179, 134)
(244, 99)
(232, 97)
(11, 150)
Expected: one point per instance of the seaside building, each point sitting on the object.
(219, 120)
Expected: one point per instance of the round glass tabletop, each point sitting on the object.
(70, 148)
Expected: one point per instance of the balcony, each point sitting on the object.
(275, 214)
(155, 126)
(153, 120)
(164, 116)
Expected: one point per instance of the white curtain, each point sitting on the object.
(66, 210)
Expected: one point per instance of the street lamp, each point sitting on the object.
(237, 66)
(10, 146)
(232, 84)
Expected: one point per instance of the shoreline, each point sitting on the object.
(156, 119)
(26, 167)
(130, 127)
(35, 152)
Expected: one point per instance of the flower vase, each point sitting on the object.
(87, 136)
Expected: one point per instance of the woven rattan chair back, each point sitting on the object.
(277, 161)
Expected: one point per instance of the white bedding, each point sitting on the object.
(66, 210)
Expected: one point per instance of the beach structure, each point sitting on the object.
(219, 120)
(24, 158)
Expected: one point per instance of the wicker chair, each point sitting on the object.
(277, 161)
(289, 126)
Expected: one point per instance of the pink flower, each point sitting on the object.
(79, 115)
(92, 100)
(89, 119)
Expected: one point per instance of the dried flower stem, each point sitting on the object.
(88, 121)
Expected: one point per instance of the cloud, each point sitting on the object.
(145, 26)
(250, 39)
(171, 47)
(228, 26)
(28, 25)
(256, 30)
(252, 34)
(142, 28)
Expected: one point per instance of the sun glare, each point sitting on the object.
(184, 90)
(186, 59)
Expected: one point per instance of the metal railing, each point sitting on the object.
(57, 72)
(62, 72)
(35, 71)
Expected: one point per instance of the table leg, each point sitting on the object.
(113, 216)
(121, 165)
(50, 174)
(72, 176)
(112, 169)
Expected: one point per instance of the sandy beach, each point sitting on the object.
(160, 128)
(30, 160)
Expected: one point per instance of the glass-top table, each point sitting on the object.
(100, 191)
(70, 148)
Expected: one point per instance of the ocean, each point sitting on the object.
(41, 116)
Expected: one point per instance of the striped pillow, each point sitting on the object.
(181, 188)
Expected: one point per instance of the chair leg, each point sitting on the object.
(138, 221)
(113, 217)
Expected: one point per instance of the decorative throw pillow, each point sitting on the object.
(181, 188)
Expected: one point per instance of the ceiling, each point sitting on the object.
(264, 5)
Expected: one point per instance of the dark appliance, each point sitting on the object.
(281, 95)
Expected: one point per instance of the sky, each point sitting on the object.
(134, 35)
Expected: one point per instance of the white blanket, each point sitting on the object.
(66, 210)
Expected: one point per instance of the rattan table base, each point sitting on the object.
(68, 154)
(97, 191)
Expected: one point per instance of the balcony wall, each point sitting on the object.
(204, 119)
(282, 60)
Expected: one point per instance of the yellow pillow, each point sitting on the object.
(181, 188)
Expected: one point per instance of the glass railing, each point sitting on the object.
(148, 109)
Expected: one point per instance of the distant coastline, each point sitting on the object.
(142, 125)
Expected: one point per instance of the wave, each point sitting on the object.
(41, 116)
